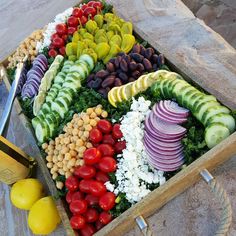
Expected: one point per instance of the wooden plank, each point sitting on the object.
(200, 53)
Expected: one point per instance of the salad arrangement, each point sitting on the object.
(112, 120)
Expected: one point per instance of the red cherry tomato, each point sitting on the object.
(90, 11)
(84, 185)
(61, 29)
(71, 30)
(107, 164)
(52, 52)
(87, 230)
(105, 217)
(55, 35)
(72, 21)
(83, 20)
(92, 200)
(58, 42)
(64, 37)
(106, 150)
(97, 188)
(77, 196)
(77, 12)
(62, 51)
(78, 207)
(105, 126)
(108, 139)
(77, 222)
(69, 196)
(116, 132)
(92, 156)
(98, 5)
(90, 4)
(91, 215)
(51, 46)
(120, 146)
(99, 225)
(85, 172)
(107, 201)
(95, 135)
(83, 7)
(72, 183)
(102, 177)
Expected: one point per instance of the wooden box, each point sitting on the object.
(170, 28)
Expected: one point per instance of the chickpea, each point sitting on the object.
(89, 145)
(82, 149)
(93, 115)
(99, 105)
(74, 138)
(75, 132)
(61, 171)
(72, 170)
(49, 158)
(60, 157)
(72, 146)
(97, 119)
(69, 131)
(67, 140)
(55, 168)
(59, 184)
(80, 154)
(79, 142)
(52, 142)
(54, 176)
(75, 116)
(61, 136)
(69, 125)
(44, 146)
(57, 140)
(104, 114)
(50, 152)
(65, 129)
(86, 119)
(65, 150)
(68, 174)
(62, 141)
(80, 133)
(67, 156)
(84, 138)
(72, 162)
(54, 159)
(58, 147)
(80, 123)
(49, 165)
(77, 163)
(55, 152)
(89, 111)
(86, 134)
(59, 164)
(65, 168)
(93, 123)
(98, 111)
(88, 127)
(52, 171)
(73, 153)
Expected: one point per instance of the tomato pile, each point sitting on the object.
(87, 196)
(78, 18)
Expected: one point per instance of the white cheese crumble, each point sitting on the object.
(51, 28)
(133, 171)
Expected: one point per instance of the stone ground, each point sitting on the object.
(194, 212)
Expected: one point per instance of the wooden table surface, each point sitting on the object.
(194, 212)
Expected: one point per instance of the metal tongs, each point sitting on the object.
(4, 122)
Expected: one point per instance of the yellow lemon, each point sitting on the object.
(112, 96)
(25, 192)
(125, 91)
(43, 216)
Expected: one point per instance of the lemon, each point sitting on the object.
(38, 102)
(118, 94)
(25, 192)
(125, 91)
(112, 96)
(43, 217)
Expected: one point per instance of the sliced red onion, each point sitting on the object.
(173, 107)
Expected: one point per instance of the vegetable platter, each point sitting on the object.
(120, 132)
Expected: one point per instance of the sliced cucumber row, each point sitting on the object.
(215, 117)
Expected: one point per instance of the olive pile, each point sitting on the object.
(125, 68)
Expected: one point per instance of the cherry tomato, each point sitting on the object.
(62, 51)
(52, 52)
(85, 172)
(95, 135)
(107, 164)
(64, 37)
(51, 46)
(83, 7)
(106, 150)
(69, 196)
(72, 21)
(90, 4)
(78, 207)
(58, 42)
(72, 183)
(99, 225)
(55, 35)
(98, 5)
(77, 222)
(87, 230)
(84, 185)
(97, 188)
(77, 12)
(108, 139)
(77, 196)
(120, 146)
(92, 200)
(83, 20)
(92, 156)
(90, 11)
(101, 176)
(105, 126)
(91, 215)
(105, 217)
(107, 201)
(61, 29)
(116, 132)
(71, 30)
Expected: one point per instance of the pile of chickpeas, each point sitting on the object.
(27, 47)
(66, 151)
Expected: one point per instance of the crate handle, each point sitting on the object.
(220, 193)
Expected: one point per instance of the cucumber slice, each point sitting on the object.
(66, 91)
(224, 119)
(50, 98)
(55, 117)
(178, 86)
(69, 63)
(87, 59)
(75, 85)
(79, 69)
(188, 90)
(43, 112)
(204, 107)
(215, 133)
(47, 106)
(193, 99)
(66, 95)
(51, 125)
(56, 86)
(189, 95)
(36, 120)
(182, 90)
(42, 132)
(59, 79)
(206, 98)
(162, 85)
(171, 85)
(60, 108)
(167, 88)
(64, 101)
(214, 111)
